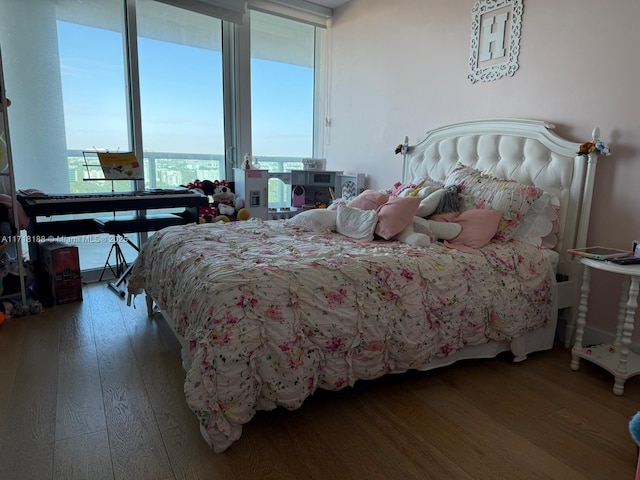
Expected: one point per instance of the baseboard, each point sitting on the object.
(592, 336)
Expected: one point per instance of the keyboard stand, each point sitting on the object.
(121, 269)
(130, 224)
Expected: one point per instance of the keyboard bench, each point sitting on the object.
(138, 223)
(118, 226)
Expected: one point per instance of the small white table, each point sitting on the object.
(616, 358)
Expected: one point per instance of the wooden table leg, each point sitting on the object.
(625, 340)
(582, 318)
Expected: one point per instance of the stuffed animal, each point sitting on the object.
(421, 230)
(6, 311)
(205, 187)
(634, 429)
(223, 198)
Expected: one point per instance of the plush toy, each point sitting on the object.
(223, 198)
(634, 429)
(421, 230)
(228, 206)
(6, 310)
(205, 187)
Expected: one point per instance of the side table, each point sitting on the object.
(616, 358)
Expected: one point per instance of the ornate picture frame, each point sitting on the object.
(495, 39)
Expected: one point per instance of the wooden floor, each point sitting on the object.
(93, 390)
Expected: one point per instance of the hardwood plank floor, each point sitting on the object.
(94, 390)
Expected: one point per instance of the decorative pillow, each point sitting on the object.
(336, 202)
(369, 200)
(356, 223)
(420, 187)
(395, 215)
(478, 226)
(318, 220)
(540, 225)
(493, 193)
(429, 204)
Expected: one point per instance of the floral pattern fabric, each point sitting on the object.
(273, 312)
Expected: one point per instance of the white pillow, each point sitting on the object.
(356, 223)
(318, 220)
(539, 226)
(429, 204)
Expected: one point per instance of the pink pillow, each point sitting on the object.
(369, 200)
(395, 215)
(478, 226)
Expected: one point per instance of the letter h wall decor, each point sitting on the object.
(495, 39)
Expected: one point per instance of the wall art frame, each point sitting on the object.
(495, 39)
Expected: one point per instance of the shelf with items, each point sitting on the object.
(288, 193)
(617, 358)
(310, 188)
(7, 173)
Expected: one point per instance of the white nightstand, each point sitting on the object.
(615, 358)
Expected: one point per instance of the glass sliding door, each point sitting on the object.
(282, 85)
(282, 96)
(65, 75)
(180, 64)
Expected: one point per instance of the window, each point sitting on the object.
(282, 88)
(180, 65)
(78, 82)
(65, 75)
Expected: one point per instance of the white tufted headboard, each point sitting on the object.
(527, 151)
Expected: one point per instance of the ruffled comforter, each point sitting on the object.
(271, 312)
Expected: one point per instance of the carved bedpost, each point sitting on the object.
(404, 150)
(592, 161)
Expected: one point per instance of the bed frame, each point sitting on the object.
(529, 152)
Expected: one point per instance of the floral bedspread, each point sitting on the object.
(271, 312)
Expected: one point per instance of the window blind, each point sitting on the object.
(300, 10)
(230, 10)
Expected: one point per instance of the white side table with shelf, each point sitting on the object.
(615, 358)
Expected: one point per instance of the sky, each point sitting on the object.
(181, 97)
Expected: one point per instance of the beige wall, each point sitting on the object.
(400, 68)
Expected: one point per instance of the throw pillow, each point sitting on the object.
(356, 223)
(319, 220)
(493, 193)
(369, 200)
(395, 215)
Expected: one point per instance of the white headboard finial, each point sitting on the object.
(595, 134)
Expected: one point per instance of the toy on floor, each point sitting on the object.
(13, 309)
(634, 429)
(6, 310)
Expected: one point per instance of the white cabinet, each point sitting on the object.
(252, 186)
(349, 185)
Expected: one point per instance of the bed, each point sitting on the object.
(270, 311)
